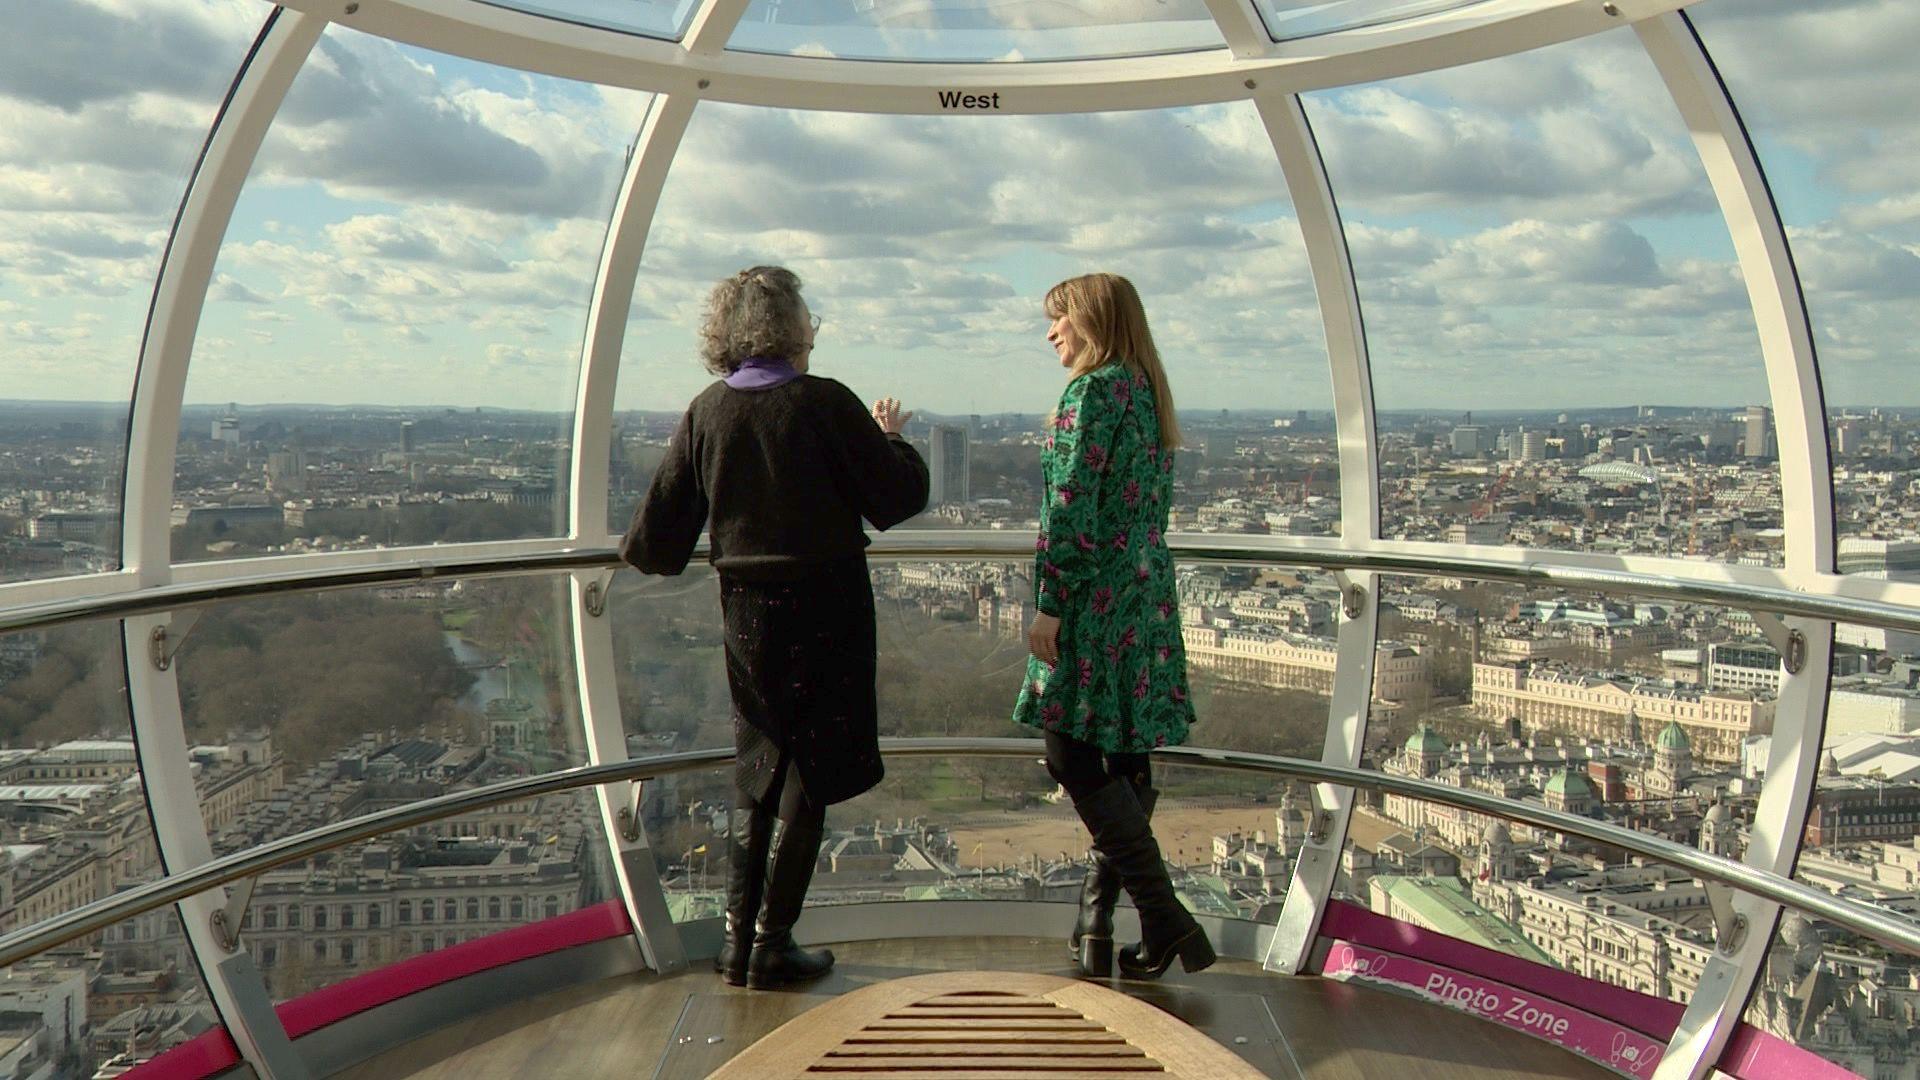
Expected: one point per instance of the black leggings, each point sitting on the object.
(1082, 769)
(787, 797)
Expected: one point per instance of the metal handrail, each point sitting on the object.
(1887, 928)
(1186, 548)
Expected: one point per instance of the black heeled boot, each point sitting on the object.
(776, 959)
(751, 835)
(1120, 831)
(1091, 943)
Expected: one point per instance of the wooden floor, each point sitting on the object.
(689, 1024)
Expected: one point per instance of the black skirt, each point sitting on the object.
(800, 666)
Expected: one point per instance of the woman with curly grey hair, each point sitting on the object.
(780, 466)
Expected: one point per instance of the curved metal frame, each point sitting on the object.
(180, 833)
(1320, 553)
(1331, 263)
(634, 873)
(1894, 931)
(1806, 483)
(550, 46)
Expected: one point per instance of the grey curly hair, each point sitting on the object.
(756, 312)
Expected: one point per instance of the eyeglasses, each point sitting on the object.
(814, 322)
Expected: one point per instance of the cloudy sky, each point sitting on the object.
(1529, 232)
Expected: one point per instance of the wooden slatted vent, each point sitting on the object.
(981, 1025)
(984, 1034)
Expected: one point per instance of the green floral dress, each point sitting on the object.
(1102, 566)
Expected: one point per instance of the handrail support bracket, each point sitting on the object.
(226, 919)
(1790, 643)
(1320, 821)
(629, 815)
(593, 596)
(1353, 595)
(165, 641)
(1729, 926)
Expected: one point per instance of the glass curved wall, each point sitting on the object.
(76, 831)
(1596, 263)
(929, 285)
(101, 136)
(311, 709)
(975, 30)
(389, 350)
(1563, 353)
(1838, 153)
(1289, 19)
(650, 18)
(1637, 713)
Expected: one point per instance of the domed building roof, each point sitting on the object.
(1796, 931)
(1718, 814)
(1570, 784)
(1497, 835)
(1426, 741)
(1673, 737)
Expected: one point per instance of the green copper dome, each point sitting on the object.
(1673, 737)
(1426, 741)
(1570, 784)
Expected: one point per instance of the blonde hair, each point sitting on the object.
(1106, 314)
(756, 312)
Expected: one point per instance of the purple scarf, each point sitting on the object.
(761, 373)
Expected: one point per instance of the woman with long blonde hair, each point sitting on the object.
(1107, 681)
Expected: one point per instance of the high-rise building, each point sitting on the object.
(1470, 440)
(227, 430)
(1846, 438)
(949, 466)
(406, 436)
(1759, 431)
(1524, 445)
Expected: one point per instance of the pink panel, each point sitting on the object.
(330, 1004)
(1753, 1054)
(1593, 1037)
(214, 1050)
(1641, 1012)
(210, 1052)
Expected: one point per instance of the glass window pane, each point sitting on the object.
(1287, 19)
(388, 354)
(78, 831)
(1826, 120)
(930, 284)
(1859, 843)
(102, 132)
(969, 30)
(1563, 351)
(312, 709)
(652, 18)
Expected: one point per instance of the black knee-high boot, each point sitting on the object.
(1114, 816)
(776, 960)
(1091, 943)
(752, 833)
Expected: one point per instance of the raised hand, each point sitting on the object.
(886, 413)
